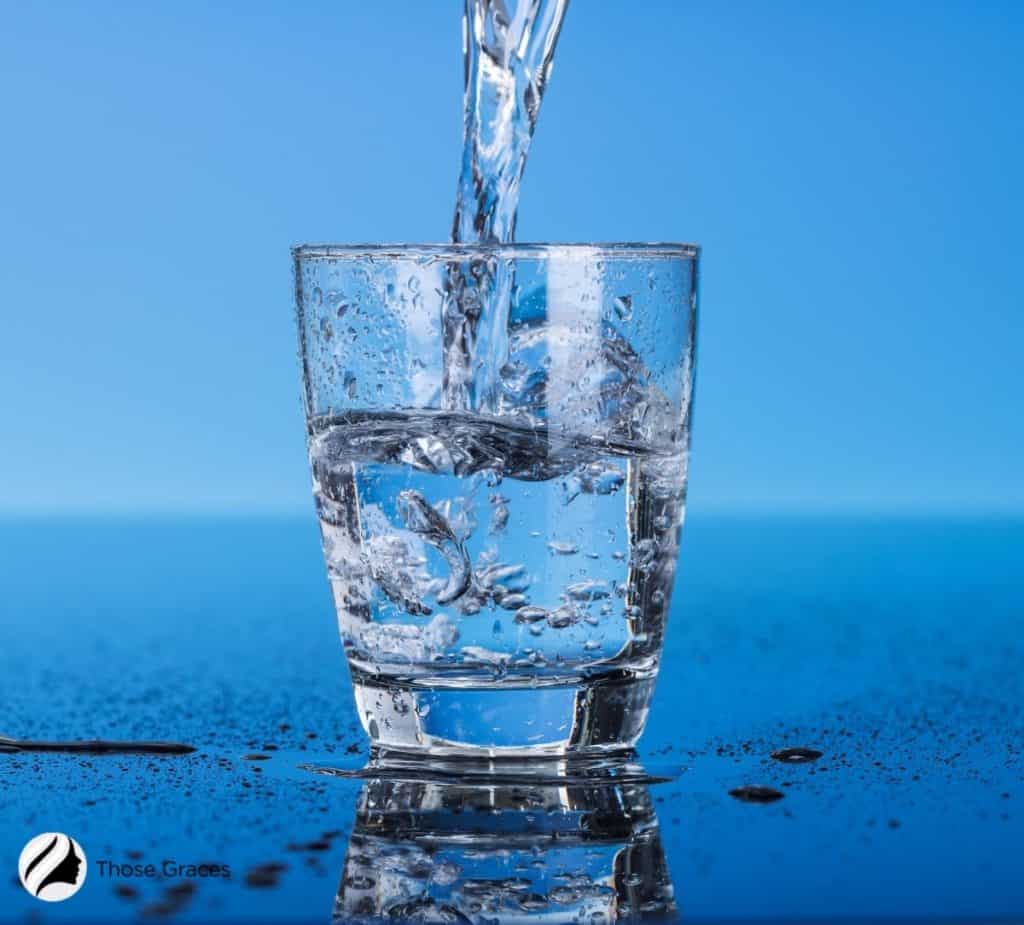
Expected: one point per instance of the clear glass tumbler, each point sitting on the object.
(498, 438)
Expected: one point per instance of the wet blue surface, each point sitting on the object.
(894, 646)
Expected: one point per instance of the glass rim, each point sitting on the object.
(515, 249)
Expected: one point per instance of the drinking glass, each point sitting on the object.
(498, 437)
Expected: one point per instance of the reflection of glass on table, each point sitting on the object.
(455, 852)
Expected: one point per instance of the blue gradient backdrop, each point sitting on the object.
(854, 174)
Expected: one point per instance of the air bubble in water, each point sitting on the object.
(590, 590)
(562, 617)
(424, 519)
(530, 614)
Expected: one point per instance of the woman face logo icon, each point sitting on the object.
(52, 867)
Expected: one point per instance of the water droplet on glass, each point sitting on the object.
(645, 554)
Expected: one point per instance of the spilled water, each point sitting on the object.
(95, 747)
(796, 755)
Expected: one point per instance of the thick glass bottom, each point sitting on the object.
(598, 715)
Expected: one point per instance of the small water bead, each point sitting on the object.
(564, 895)
(488, 656)
(796, 755)
(560, 548)
(530, 614)
(326, 328)
(595, 478)
(590, 590)
(562, 617)
(511, 578)
(500, 513)
(624, 307)
(512, 601)
(755, 794)
(351, 384)
(645, 554)
(578, 878)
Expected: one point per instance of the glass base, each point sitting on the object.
(589, 716)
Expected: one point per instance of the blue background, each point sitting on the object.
(853, 174)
